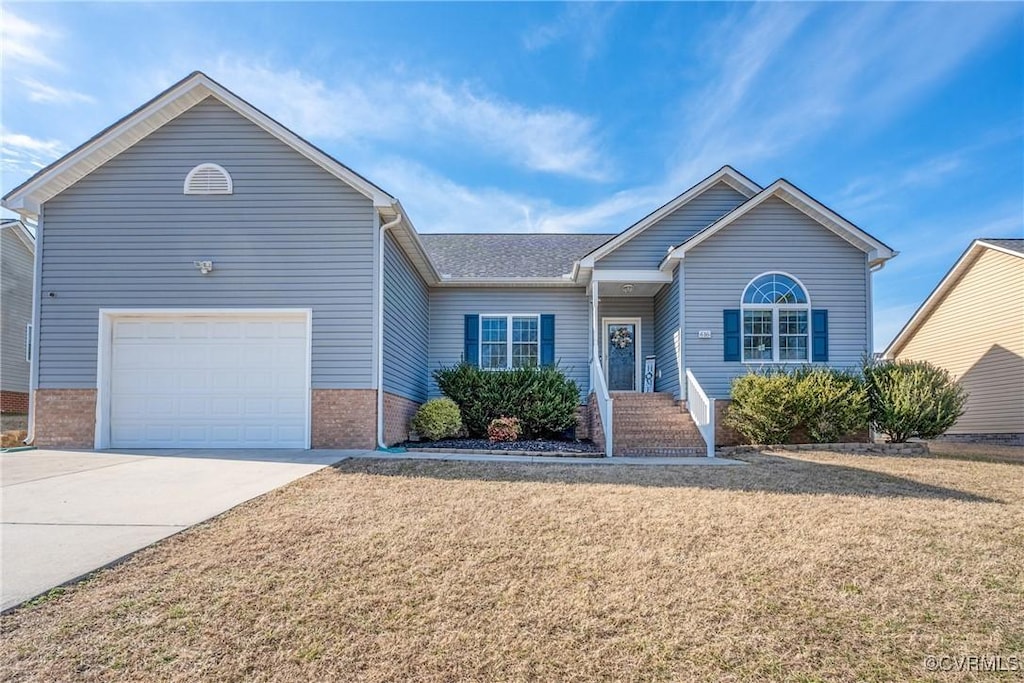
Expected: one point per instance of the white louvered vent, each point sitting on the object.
(208, 179)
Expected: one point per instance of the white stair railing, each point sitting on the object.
(702, 410)
(604, 400)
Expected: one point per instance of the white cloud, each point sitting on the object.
(22, 41)
(439, 204)
(586, 24)
(782, 75)
(48, 94)
(428, 112)
(22, 154)
(872, 191)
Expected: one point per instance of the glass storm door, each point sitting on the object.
(620, 344)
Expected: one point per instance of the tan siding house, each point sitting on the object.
(973, 325)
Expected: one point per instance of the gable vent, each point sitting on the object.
(208, 179)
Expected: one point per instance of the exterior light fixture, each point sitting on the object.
(627, 288)
(203, 266)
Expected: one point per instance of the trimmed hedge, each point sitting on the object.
(544, 399)
(764, 407)
(827, 404)
(901, 399)
(831, 404)
(437, 419)
(913, 399)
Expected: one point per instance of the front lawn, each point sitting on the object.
(808, 567)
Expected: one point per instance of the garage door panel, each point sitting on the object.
(231, 330)
(184, 381)
(292, 331)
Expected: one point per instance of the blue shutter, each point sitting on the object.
(819, 339)
(547, 340)
(471, 340)
(731, 327)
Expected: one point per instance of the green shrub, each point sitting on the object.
(830, 404)
(763, 408)
(544, 399)
(438, 418)
(911, 399)
(504, 429)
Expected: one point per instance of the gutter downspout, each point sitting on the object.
(33, 368)
(379, 337)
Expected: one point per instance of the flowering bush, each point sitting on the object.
(504, 429)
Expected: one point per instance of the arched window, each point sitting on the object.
(208, 179)
(776, 320)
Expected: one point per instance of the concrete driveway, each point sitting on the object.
(67, 513)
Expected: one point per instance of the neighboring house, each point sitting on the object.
(973, 325)
(211, 279)
(17, 253)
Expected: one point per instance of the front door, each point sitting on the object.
(622, 358)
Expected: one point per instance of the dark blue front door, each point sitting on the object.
(621, 345)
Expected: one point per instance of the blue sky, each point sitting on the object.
(905, 118)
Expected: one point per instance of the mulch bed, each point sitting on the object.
(532, 445)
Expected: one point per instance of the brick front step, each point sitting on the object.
(654, 425)
(682, 452)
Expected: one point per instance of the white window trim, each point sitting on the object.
(638, 356)
(508, 338)
(775, 310)
(204, 166)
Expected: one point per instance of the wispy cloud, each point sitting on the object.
(48, 94)
(585, 24)
(783, 75)
(23, 40)
(874, 190)
(22, 154)
(440, 204)
(428, 112)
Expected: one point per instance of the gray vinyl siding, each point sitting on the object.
(406, 325)
(291, 235)
(666, 328)
(570, 306)
(16, 268)
(650, 247)
(631, 307)
(774, 236)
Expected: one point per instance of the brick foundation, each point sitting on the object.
(398, 412)
(583, 422)
(65, 418)
(344, 418)
(14, 402)
(595, 429)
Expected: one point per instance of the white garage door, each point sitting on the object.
(230, 381)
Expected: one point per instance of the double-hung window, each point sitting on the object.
(509, 341)
(776, 320)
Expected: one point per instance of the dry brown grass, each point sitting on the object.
(810, 567)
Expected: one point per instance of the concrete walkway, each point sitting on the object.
(68, 513)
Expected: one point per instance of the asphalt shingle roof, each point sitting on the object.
(508, 255)
(1016, 245)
